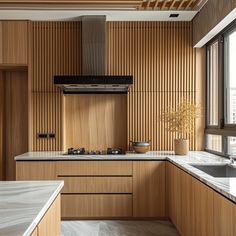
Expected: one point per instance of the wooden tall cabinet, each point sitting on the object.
(149, 189)
(14, 42)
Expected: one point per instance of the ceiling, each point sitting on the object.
(115, 10)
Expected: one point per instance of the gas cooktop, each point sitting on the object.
(83, 151)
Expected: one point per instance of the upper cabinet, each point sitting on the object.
(14, 42)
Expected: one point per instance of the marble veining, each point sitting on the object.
(23, 204)
(225, 186)
(118, 228)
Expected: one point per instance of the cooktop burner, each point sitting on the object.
(82, 151)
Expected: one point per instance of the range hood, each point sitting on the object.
(93, 78)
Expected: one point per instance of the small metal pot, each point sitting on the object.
(140, 146)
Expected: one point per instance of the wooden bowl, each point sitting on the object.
(141, 149)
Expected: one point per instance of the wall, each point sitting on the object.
(210, 15)
(158, 54)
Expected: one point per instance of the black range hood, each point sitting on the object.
(93, 78)
(93, 84)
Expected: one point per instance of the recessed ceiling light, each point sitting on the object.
(174, 15)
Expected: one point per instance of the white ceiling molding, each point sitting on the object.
(217, 29)
(112, 15)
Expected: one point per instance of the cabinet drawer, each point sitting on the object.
(96, 205)
(86, 168)
(97, 184)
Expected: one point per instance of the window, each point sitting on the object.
(214, 142)
(221, 93)
(212, 86)
(230, 77)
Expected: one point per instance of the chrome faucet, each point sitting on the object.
(231, 159)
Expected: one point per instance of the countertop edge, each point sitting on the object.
(40, 215)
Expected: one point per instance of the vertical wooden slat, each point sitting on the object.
(161, 59)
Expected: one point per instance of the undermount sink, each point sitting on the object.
(217, 171)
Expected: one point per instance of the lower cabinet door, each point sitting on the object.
(149, 188)
(96, 205)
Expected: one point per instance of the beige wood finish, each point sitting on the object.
(149, 189)
(14, 42)
(106, 184)
(158, 54)
(91, 168)
(16, 119)
(224, 216)
(96, 205)
(190, 203)
(96, 121)
(35, 170)
(55, 51)
(215, 10)
(50, 225)
(35, 232)
(172, 4)
(163, 62)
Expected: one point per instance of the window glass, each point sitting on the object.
(212, 104)
(230, 77)
(231, 145)
(214, 142)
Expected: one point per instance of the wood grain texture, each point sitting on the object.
(35, 232)
(14, 42)
(159, 55)
(35, 170)
(224, 216)
(106, 184)
(96, 121)
(190, 203)
(215, 10)
(96, 205)
(55, 50)
(50, 225)
(149, 189)
(16, 127)
(90, 168)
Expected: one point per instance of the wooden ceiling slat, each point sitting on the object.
(156, 4)
(189, 4)
(173, 4)
(181, 4)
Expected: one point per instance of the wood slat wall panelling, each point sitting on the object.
(56, 50)
(159, 55)
(162, 60)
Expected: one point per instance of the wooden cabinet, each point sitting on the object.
(96, 205)
(14, 42)
(224, 216)
(50, 224)
(196, 209)
(35, 170)
(149, 189)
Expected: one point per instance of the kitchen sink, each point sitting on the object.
(217, 171)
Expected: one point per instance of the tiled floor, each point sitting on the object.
(118, 228)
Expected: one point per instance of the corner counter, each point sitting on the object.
(27, 207)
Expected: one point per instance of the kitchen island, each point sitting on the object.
(30, 208)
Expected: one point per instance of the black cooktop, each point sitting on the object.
(83, 151)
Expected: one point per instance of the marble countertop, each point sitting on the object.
(23, 204)
(225, 186)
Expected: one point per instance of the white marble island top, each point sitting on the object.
(23, 204)
(225, 186)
